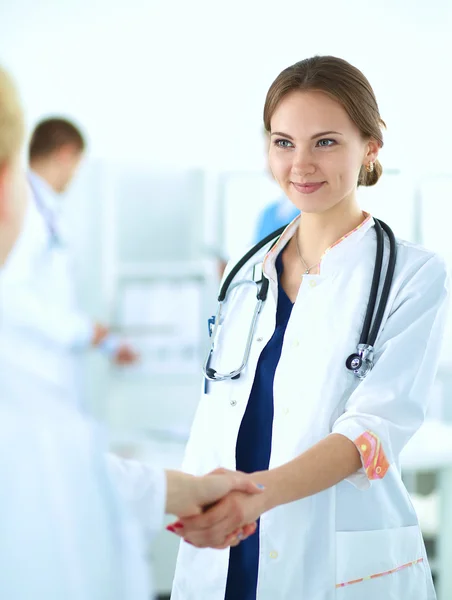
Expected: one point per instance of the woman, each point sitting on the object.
(335, 520)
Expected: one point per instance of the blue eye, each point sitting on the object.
(326, 143)
(283, 144)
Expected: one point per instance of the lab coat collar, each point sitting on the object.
(47, 195)
(332, 256)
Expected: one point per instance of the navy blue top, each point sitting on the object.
(253, 448)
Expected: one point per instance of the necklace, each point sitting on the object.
(305, 266)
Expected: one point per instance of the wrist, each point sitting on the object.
(100, 332)
(269, 498)
(110, 345)
(181, 490)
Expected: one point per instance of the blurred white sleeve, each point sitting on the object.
(24, 310)
(143, 488)
(110, 345)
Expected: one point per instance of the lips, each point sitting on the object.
(308, 188)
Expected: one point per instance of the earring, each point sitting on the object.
(370, 167)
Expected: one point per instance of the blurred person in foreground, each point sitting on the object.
(65, 532)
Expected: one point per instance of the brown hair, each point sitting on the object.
(344, 83)
(11, 119)
(51, 135)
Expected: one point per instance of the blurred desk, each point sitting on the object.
(430, 449)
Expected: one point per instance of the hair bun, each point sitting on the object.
(367, 178)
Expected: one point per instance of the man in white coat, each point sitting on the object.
(39, 302)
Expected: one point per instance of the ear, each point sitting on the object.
(372, 149)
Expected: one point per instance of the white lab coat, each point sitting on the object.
(62, 506)
(42, 324)
(74, 520)
(65, 532)
(365, 525)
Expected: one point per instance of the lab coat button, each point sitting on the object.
(286, 411)
(273, 554)
(259, 339)
(295, 343)
(233, 402)
(313, 283)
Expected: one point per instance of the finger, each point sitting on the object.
(242, 535)
(183, 527)
(249, 529)
(208, 519)
(175, 528)
(243, 483)
(216, 535)
(212, 536)
(200, 537)
(231, 541)
(221, 471)
(239, 481)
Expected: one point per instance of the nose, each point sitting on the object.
(303, 162)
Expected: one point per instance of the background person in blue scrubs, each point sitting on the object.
(278, 213)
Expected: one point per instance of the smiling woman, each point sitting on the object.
(334, 521)
(346, 87)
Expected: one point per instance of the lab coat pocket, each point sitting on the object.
(385, 563)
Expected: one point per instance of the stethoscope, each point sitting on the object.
(361, 361)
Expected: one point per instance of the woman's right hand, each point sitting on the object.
(188, 495)
(217, 484)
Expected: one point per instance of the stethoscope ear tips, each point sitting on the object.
(211, 372)
(354, 362)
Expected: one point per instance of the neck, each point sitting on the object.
(9, 232)
(48, 171)
(318, 231)
(6, 241)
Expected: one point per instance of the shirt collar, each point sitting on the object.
(330, 257)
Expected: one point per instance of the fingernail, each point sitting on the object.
(171, 528)
(260, 486)
(241, 536)
(178, 525)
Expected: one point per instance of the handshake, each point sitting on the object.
(217, 510)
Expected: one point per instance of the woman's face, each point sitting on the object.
(316, 151)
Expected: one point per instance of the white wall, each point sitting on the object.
(183, 83)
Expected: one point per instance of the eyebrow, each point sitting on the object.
(289, 137)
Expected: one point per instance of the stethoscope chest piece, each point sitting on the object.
(361, 362)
